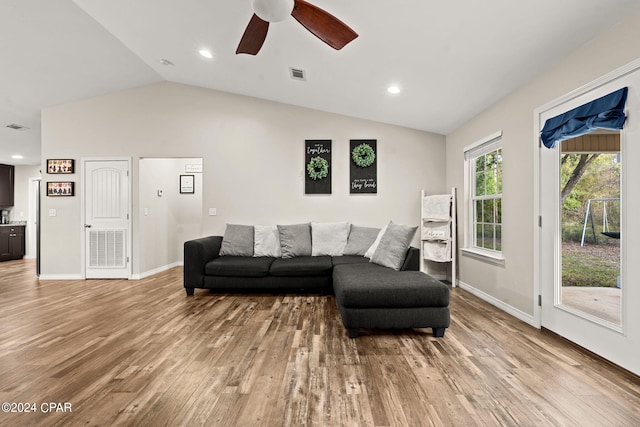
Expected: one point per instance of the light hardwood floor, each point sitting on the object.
(142, 353)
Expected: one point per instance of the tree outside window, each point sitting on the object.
(483, 194)
(487, 201)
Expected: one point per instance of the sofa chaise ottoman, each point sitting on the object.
(375, 297)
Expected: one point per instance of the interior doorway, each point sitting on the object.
(33, 223)
(170, 194)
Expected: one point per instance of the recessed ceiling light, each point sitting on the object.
(207, 54)
(393, 89)
(17, 156)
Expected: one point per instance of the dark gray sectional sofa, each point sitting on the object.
(367, 295)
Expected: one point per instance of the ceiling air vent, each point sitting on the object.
(16, 127)
(297, 74)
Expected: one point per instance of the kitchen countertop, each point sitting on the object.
(14, 224)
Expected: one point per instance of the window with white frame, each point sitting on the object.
(483, 193)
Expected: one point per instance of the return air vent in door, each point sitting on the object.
(107, 249)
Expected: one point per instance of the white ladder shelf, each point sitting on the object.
(438, 232)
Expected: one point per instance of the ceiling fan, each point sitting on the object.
(320, 23)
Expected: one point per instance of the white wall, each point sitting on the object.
(24, 175)
(512, 285)
(253, 161)
(166, 221)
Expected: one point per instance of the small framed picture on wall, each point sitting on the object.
(187, 184)
(60, 188)
(55, 166)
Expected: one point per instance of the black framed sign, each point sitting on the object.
(60, 188)
(187, 184)
(363, 166)
(317, 166)
(55, 166)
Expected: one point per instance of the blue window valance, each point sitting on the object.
(603, 113)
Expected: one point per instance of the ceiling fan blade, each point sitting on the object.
(323, 25)
(253, 36)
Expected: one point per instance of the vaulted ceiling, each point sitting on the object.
(450, 59)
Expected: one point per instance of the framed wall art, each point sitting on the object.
(60, 188)
(187, 184)
(317, 166)
(363, 166)
(55, 166)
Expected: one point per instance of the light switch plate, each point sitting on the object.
(53, 212)
(213, 212)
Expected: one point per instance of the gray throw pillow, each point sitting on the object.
(295, 240)
(360, 239)
(237, 241)
(393, 246)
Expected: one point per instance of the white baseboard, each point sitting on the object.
(156, 270)
(519, 314)
(133, 276)
(60, 277)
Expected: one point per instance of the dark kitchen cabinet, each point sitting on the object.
(11, 242)
(7, 177)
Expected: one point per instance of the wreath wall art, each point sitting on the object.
(363, 155)
(317, 160)
(318, 168)
(363, 166)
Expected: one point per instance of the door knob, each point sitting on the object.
(87, 226)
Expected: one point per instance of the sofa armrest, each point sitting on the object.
(197, 253)
(412, 260)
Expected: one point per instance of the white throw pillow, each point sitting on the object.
(329, 238)
(266, 241)
(373, 247)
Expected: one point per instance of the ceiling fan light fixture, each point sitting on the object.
(273, 10)
(319, 22)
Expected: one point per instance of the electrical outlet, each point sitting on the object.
(53, 212)
(213, 212)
